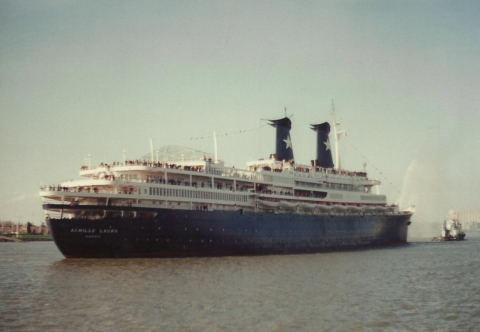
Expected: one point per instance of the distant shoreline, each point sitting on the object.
(26, 238)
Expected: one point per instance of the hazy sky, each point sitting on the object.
(100, 77)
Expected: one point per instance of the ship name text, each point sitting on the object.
(93, 230)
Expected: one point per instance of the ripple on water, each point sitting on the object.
(402, 288)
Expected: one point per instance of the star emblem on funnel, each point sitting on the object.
(288, 141)
(327, 143)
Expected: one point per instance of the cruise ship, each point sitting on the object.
(194, 205)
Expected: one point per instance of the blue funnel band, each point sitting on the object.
(324, 152)
(283, 143)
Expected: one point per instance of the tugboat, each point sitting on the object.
(451, 229)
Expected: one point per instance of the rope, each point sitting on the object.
(378, 171)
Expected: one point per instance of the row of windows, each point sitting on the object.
(372, 198)
(197, 194)
(127, 177)
(336, 196)
(328, 185)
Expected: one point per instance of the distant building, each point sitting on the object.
(470, 220)
(9, 227)
(33, 229)
(44, 229)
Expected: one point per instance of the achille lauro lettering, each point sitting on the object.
(93, 230)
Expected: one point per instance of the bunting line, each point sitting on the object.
(227, 134)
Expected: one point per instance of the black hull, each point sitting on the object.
(184, 233)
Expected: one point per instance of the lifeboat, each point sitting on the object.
(355, 208)
(269, 204)
(307, 206)
(340, 207)
(384, 208)
(288, 205)
(325, 207)
(390, 208)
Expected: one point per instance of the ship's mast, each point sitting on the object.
(151, 149)
(215, 146)
(335, 123)
(336, 135)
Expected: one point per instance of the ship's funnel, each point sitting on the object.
(283, 143)
(324, 153)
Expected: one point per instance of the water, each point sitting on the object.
(422, 286)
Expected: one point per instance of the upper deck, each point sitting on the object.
(204, 181)
(270, 171)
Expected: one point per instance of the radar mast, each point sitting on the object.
(337, 134)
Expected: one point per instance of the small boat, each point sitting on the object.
(451, 229)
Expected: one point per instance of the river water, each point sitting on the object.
(422, 286)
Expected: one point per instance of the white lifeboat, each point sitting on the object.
(325, 207)
(269, 204)
(355, 208)
(381, 208)
(340, 207)
(307, 206)
(390, 208)
(288, 205)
